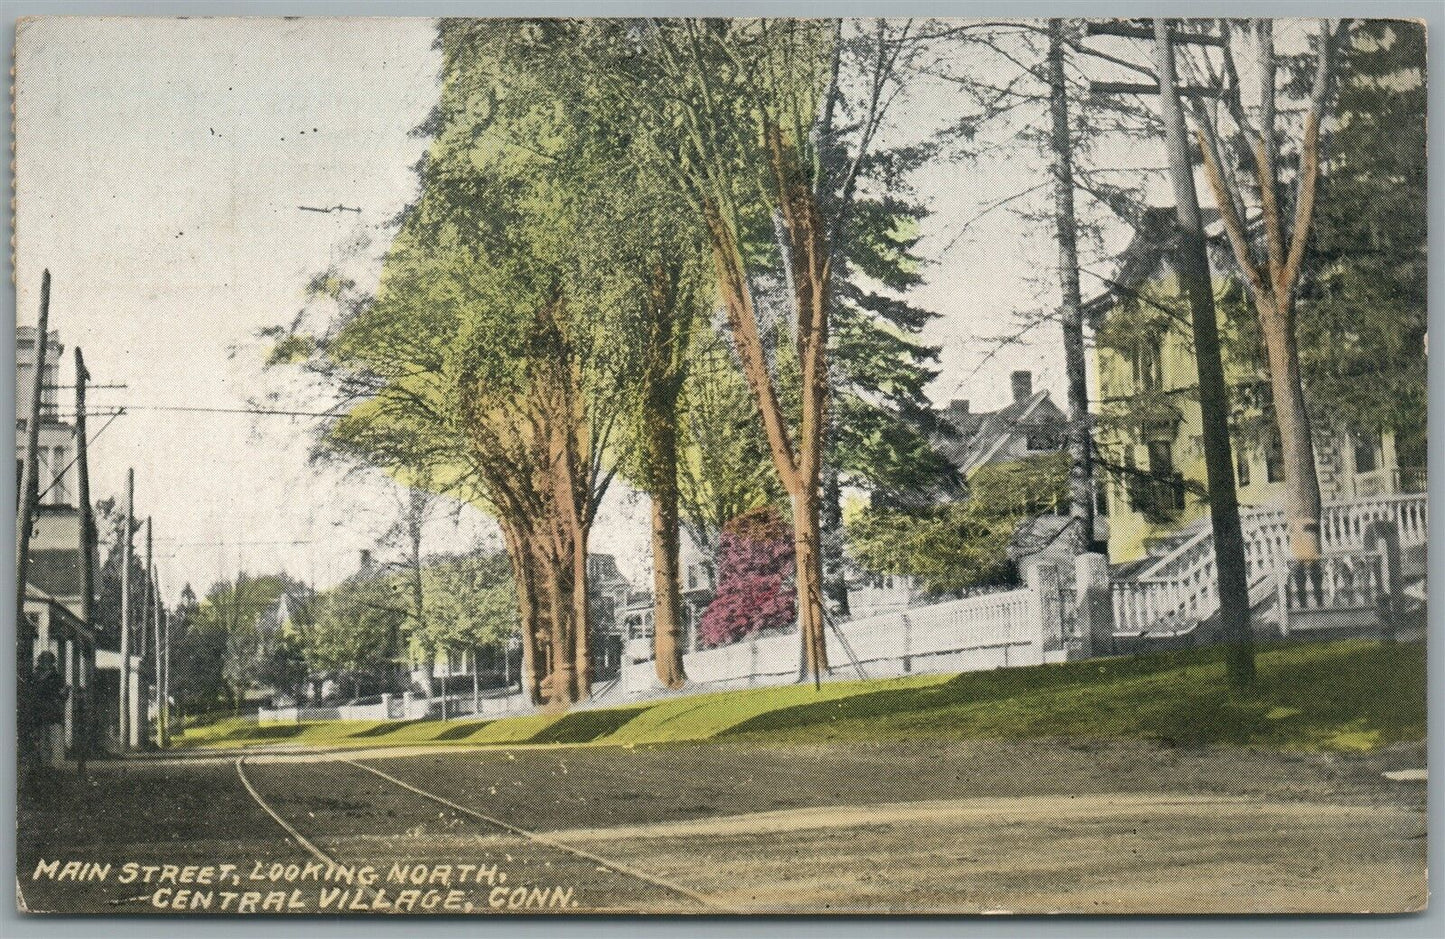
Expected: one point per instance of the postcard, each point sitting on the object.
(477, 467)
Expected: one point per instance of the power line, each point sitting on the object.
(218, 544)
(265, 412)
(91, 439)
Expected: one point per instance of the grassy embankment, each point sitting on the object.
(1349, 695)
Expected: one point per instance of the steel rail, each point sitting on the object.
(621, 868)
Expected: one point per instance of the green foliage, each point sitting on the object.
(882, 423)
(198, 645)
(961, 544)
(230, 636)
(1363, 315)
(724, 467)
(357, 626)
(471, 601)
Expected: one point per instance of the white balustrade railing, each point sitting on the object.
(1355, 580)
(1180, 590)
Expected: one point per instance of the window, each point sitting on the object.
(49, 390)
(1161, 458)
(1241, 466)
(1158, 492)
(1274, 459)
(1145, 362)
(1042, 437)
(1101, 496)
(58, 495)
(1367, 449)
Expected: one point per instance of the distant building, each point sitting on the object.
(1030, 424)
(635, 626)
(1154, 490)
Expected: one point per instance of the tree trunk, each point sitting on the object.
(559, 604)
(667, 608)
(524, 577)
(835, 574)
(807, 546)
(1192, 262)
(531, 673)
(1081, 470)
(1302, 485)
(661, 430)
(1273, 292)
(581, 620)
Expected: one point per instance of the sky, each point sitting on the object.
(161, 167)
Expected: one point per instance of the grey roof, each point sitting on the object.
(979, 433)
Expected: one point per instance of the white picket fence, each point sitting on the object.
(398, 707)
(988, 631)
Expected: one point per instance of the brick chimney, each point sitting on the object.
(1023, 382)
(365, 560)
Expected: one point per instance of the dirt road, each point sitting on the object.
(921, 826)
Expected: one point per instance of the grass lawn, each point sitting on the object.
(1348, 695)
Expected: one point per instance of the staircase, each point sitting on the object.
(1172, 594)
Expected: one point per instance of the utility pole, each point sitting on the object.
(1081, 470)
(1192, 264)
(29, 487)
(125, 552)
(85, 700)
(156, 666)
(166, 681)
(476, 691)
(142, 731)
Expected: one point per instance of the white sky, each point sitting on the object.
(160, 166)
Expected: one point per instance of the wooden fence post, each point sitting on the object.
(1383, 535)
(1094, 618)
(1043, 579)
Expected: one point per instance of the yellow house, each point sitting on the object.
(1148, 436)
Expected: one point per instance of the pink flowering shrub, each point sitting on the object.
(755, 578)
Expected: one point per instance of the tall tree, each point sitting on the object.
(668, 311)
(1270, 256)
(746, 116)
(1071, 311)
(1363, 311)
(516, 171)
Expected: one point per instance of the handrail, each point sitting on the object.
(1189, 593)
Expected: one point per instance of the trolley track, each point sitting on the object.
(601, 883)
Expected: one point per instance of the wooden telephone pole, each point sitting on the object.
(157, 666)
(29, 485)
(166, 680)
(86, 694)
(1192, 265)
(147, 609)
(125, 552)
